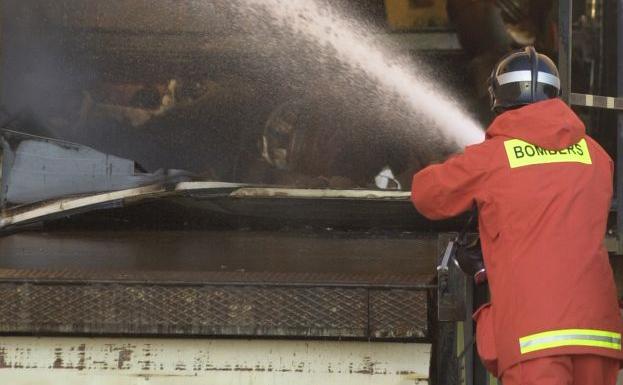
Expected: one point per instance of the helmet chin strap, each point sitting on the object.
(490, 90)
(534, 61)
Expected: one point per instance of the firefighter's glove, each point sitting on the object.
(470, 260)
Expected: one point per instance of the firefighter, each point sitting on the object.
(543, 190)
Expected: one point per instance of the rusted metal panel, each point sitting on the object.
(359, 258)
(28, 360)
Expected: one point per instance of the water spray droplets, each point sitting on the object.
(318, 24)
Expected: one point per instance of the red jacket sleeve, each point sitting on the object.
(445, 190)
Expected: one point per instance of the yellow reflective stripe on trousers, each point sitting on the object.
(522, 154)
(570, 337)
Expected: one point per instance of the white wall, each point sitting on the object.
(84, 361)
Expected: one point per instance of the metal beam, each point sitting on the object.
(122, 361)
(565, 46)
(596, 101)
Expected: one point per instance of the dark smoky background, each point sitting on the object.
(225, 91)
(212, 87)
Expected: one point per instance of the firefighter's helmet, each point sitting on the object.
(523, 77)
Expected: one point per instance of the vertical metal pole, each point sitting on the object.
(469, 332)
(619, 162)
(479, 298)
(565, 20)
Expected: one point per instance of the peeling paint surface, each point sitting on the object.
(94, 361)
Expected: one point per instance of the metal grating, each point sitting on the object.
(230, 278)
(398, 313)
(211, 310)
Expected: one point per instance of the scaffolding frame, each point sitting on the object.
(565, 52)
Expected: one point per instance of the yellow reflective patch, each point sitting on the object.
(558, 344)
(570, 337)
(522, 154)
(564, 332)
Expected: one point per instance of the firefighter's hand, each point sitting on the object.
(470, 260)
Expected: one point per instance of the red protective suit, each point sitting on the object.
(543, 190)
(577, 369)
